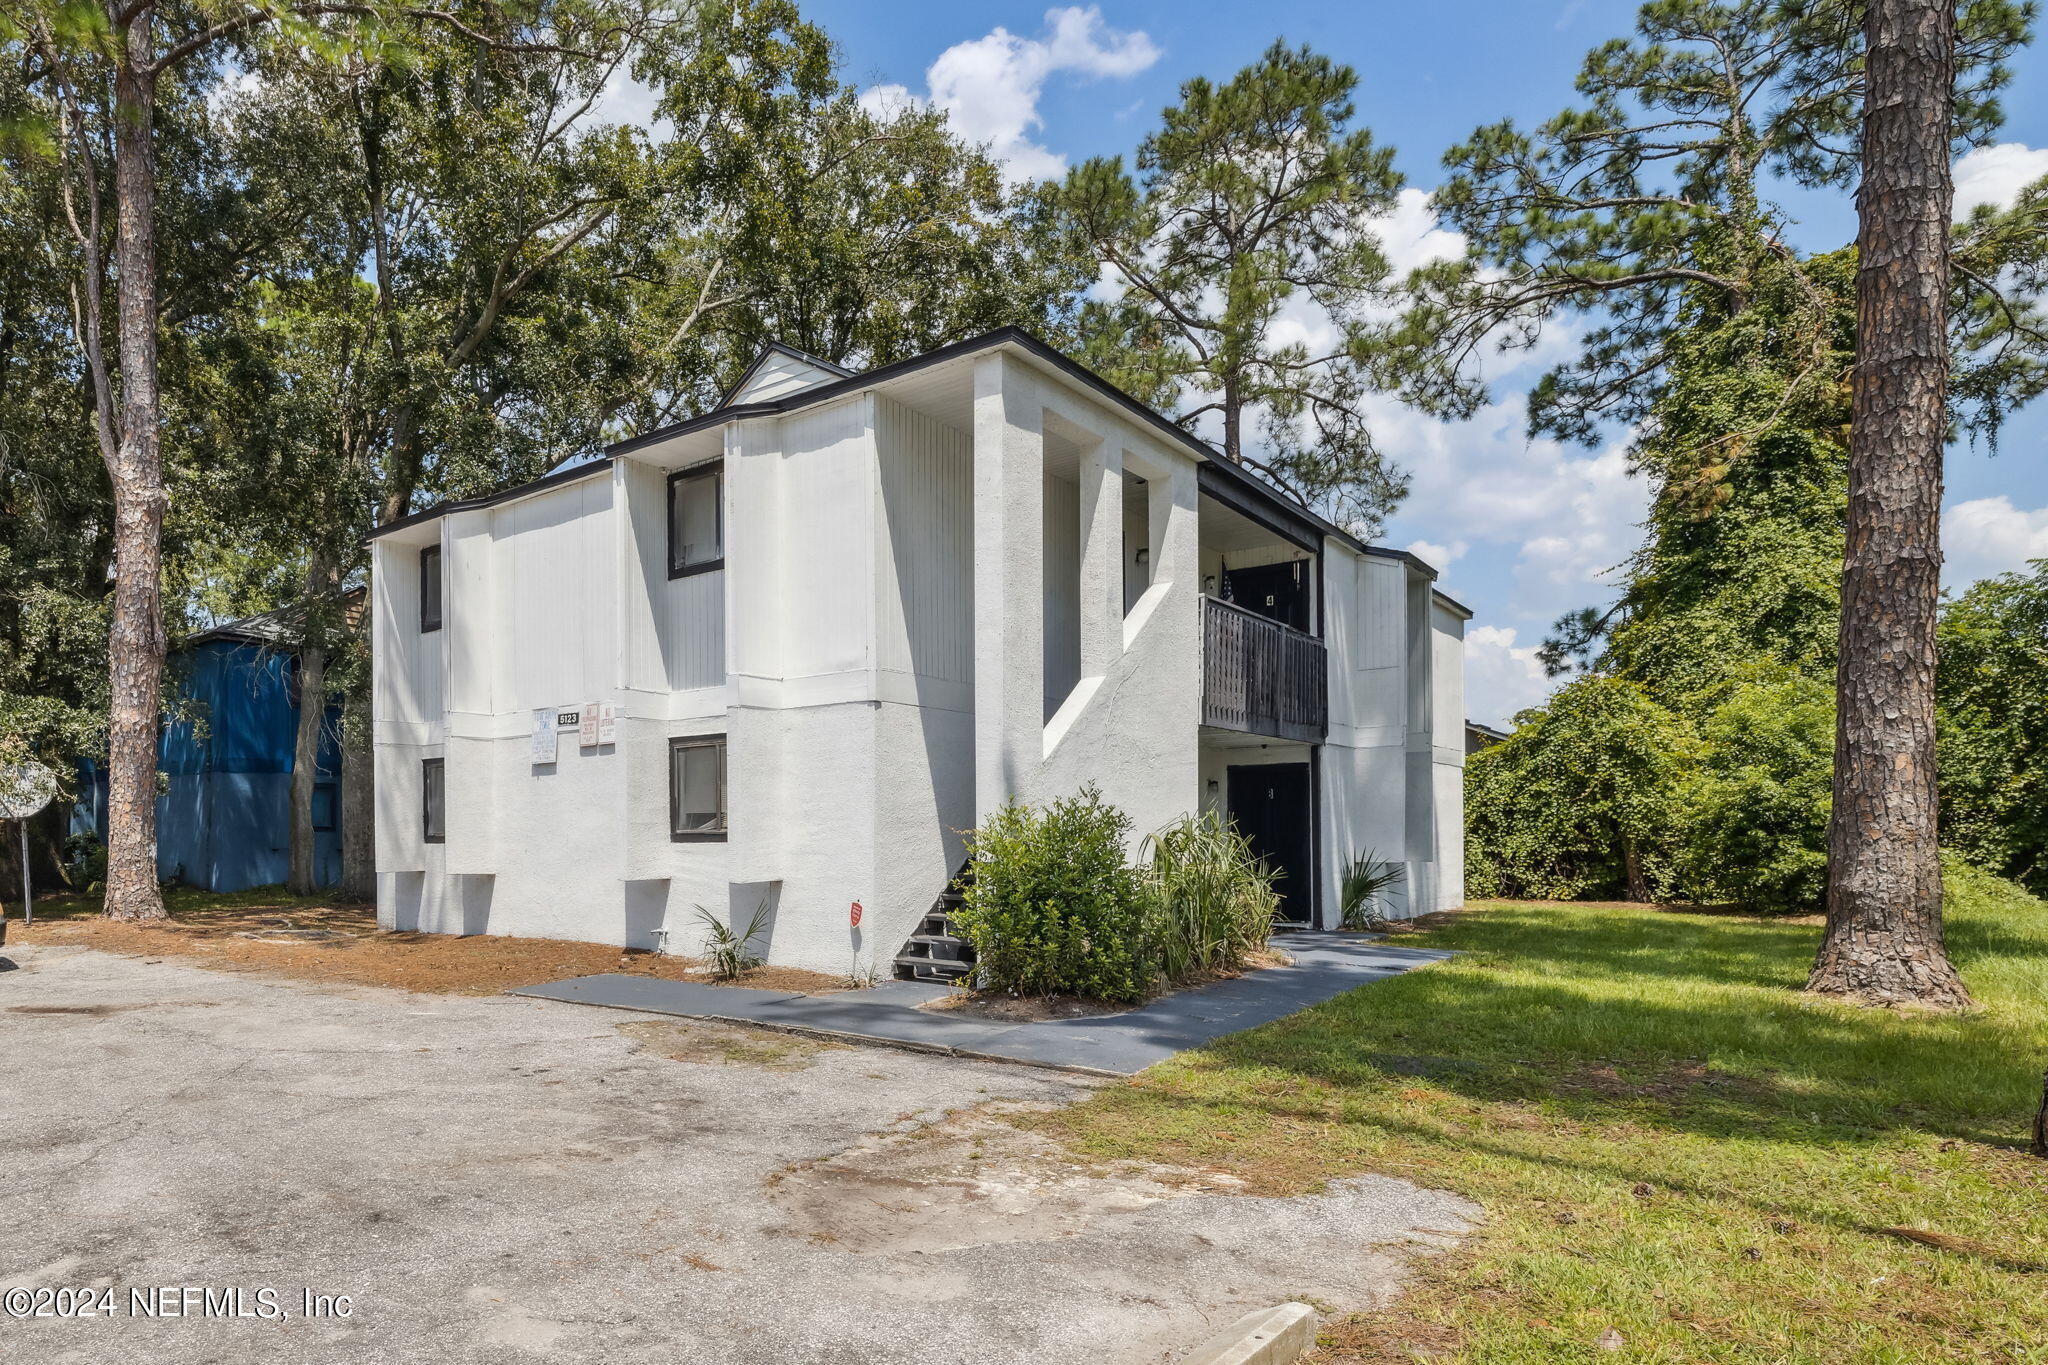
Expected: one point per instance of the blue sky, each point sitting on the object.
(1521, 529)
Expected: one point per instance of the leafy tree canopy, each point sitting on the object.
(1251, 210)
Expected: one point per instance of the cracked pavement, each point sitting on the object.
(496, 1179)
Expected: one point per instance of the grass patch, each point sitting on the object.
(1671, 1143)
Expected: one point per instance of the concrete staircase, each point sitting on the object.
(935, 952)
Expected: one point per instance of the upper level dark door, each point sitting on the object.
(1277, 591)
(1272, 807)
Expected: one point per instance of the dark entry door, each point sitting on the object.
(1276, 591)
(1270, 803)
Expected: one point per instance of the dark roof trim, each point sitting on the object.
(1274, 514)
(775, 348)
(838, 388)
(1227, 470)
(1011, 336)
(1491, 732)
(560, 476)
(1408, 557)
(1444, 599)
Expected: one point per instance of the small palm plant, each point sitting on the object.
(1210, 900)
(1365, 877)
(729, 951)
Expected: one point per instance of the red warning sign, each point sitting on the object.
(856, 914)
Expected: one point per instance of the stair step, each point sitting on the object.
(935, 952)
(931, 969)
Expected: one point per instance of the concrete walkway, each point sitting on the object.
(501, 1181)
(1325, 965)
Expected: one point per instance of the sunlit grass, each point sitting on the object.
(185, 903)
(1668, 1139)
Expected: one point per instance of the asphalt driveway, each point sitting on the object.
(501, 1179)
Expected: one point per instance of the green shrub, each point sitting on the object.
(1209, 903)
(1582, 800)
(1052, 907)
(1754, 818)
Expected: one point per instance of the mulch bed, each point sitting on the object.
(342, 944)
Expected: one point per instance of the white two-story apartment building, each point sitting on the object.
(784, 653)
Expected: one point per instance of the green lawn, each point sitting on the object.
(1668, 1140)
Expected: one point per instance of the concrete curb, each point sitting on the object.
(1264, 1336)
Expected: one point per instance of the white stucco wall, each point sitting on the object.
(876, 653)
(1129, 722)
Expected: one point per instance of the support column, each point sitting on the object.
(1102, 558)
(473, 629)
(1009, 626)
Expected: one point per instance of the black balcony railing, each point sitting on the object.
(1262, 677)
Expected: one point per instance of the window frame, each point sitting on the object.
(715, 471)
(677, 834)
(431, 576)
(432, 769)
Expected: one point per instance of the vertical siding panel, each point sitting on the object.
(925, 588)
(1062, 544)
(694, 626)
(827, 547)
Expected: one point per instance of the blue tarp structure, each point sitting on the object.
(225, 823)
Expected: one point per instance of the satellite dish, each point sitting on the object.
(25, 788)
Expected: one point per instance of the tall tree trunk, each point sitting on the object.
(2040, 1143)
(358, 803)
(301, 878)
(1632, 864)
(322, 578)
(1883, 942)
(135, 640)
(1233, 421)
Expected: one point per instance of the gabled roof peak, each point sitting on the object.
(781, 370)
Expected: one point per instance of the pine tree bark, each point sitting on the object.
(301, 878)
(323, 579)
(1638, 886)
(1883, 942)
(135, 639)
(2040, 1144)
(358, 803)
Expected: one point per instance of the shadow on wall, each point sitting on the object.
(646, 910)
(472, 903)
(408, 889)
(748, 899)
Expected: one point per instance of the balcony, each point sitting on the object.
(1261, 677)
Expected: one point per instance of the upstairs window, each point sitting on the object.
(430, 589)
(434, 800)
(696, 520)
(696, 787)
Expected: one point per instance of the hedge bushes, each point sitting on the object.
(1053, 907)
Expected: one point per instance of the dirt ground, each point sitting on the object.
(341, 943)
(496, 1179)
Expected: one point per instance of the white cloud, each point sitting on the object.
(1501, 677)
(1438, 556)
(631, 104)
(990, 86)
(1988, 536)
(1412, 236)
(1564, 514)
(1996, 175)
